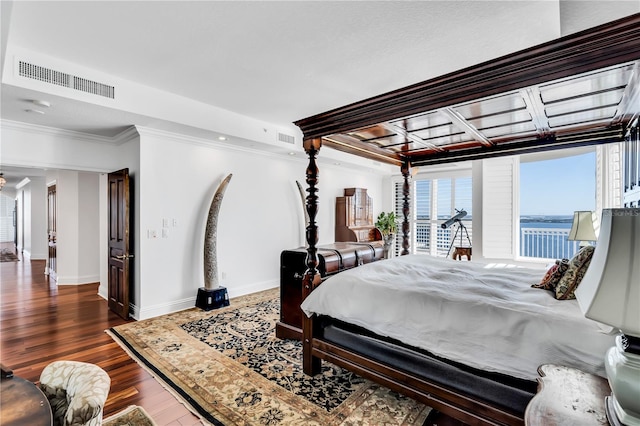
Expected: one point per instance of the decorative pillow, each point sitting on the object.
(553, 275)
(577, 268)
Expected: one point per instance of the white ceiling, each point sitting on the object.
(272, 61)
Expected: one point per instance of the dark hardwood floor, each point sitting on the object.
(41, 322)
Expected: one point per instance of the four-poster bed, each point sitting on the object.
(582, 89)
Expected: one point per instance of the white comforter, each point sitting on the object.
(488, 318)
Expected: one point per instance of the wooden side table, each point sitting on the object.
(567, 397)
(23, 403)
(459, 252)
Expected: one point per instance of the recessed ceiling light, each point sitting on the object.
(292, 153)
(37, 111)
(222, 138)
(41, 103)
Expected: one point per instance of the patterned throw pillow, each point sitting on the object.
(553, 275)
(577, 268)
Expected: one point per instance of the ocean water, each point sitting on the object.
(554, 221)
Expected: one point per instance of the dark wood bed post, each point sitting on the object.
(406, 173)
(311, 278)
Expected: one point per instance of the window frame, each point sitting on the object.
(459, 170)
(608, 175)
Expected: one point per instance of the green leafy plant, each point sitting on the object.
(386, 223)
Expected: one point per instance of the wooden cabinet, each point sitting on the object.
(333, 258)
(354, 217)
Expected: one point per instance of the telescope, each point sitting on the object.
(454, 219)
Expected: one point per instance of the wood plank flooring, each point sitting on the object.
(41, 322)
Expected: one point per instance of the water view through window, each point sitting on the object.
(546, 237)
(550, 191)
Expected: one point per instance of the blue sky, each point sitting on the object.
(558, 187)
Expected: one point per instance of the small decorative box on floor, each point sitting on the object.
(212, 299)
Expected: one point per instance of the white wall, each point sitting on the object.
(77, 227)
(20, 219)
(7, 228)
(25, 198)
(128, 154)
(33, 234)
(174, 177)
(500, 205)
(39, 243)
(67, 233)
(88, 227)
(66, 155)
(477, 220)
(261, 215)
(44, 147)
(103, 221)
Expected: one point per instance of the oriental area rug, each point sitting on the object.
(130, 416)
(228, 367)
(7, 255)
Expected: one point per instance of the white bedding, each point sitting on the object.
(488, 318)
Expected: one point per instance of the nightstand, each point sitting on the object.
(566, 397)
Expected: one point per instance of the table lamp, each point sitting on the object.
(610, 293)
(582, 228)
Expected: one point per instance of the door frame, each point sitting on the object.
(51, 268)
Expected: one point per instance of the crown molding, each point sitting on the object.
(59, 133)
(207, 143)
(300, 156)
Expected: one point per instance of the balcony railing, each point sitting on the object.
(547, 243)
(443, 237)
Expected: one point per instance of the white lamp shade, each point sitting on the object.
(582, 227)
(610, 290)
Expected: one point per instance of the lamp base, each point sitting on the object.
(212, 299)
(623, 371)
(611, 405)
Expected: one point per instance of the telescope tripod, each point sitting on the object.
(453, 240)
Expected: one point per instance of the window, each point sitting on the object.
(524, 204)
(434, 201)
(550, 191)
(631, 172)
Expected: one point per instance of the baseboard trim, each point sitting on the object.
(251, 288)
(78, 280)
(190, 302)
(103, 292)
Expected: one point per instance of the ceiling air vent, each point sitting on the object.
(58, 78)
(286, 138)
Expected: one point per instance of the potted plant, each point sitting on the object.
(388, 227)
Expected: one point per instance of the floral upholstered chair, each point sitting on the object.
(76, 391)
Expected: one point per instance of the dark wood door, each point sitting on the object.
(52, 209)
(15, 224)
(119, 242)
